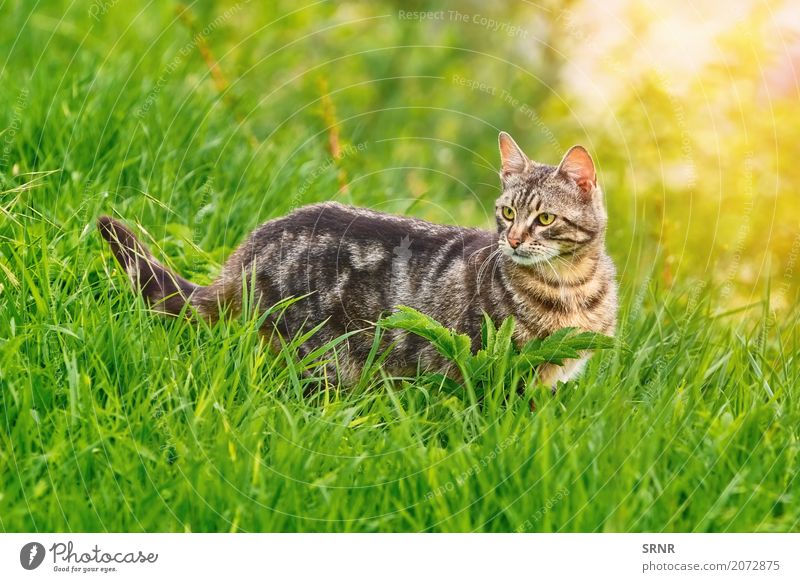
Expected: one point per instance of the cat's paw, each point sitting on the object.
(551, 374)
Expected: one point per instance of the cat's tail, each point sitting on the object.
(165, 291)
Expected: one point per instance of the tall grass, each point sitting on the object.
(114, 419)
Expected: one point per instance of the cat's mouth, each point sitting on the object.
(525, 258)
(527, 254)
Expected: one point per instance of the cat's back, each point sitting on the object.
(329, 242)
(334, 218)
(369, 236)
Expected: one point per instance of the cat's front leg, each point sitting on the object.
(551, 374)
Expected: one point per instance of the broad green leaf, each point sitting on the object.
(453, 346)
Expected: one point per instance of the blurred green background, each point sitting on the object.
(689, 111)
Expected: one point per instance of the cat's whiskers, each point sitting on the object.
(496, 264)
(547, 261)
(563, 263)
(479, 250)
(570, 266)
(485, 264)
(481, 266)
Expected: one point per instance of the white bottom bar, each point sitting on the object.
(389, 557)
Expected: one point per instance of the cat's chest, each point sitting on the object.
(539, 324)
(542, 309)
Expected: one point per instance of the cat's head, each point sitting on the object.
(547, 211)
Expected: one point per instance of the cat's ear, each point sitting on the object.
(512, 158)
(578, 166)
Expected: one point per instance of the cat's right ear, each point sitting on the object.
(512, 158)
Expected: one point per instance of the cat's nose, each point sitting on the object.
(514, 241)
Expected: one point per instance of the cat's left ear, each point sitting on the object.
(578, 166)
(512, 158)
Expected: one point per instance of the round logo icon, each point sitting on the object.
(31, 555)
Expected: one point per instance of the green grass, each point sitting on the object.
(114, 419)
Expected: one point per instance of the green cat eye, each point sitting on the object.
(546, 218)
(508, 213)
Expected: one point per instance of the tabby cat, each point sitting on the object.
(546, 265)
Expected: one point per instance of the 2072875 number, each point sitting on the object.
(746, 565)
